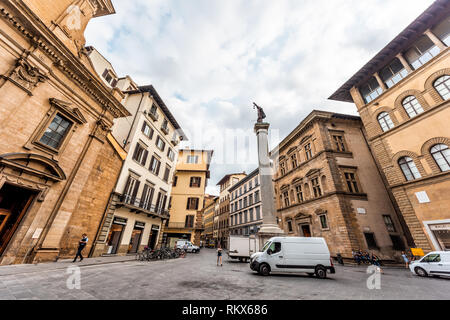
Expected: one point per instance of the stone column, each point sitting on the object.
(269, 228)
(380, 82)
(436, 40)
(404, 63)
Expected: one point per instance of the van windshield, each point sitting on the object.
(268, 243)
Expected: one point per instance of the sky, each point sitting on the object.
(210, 60)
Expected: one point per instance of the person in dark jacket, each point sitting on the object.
(81, 245)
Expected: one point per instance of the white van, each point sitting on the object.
(435, 263)
(293, 254)
(241, 247)
(185, 244)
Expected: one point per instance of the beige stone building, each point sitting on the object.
(402, 95)
(188, 197)
(55, 118)
(327, 185)
(223, 212)
(245, 205)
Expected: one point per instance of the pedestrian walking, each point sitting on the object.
(81, 245)
(219, 255)
(405, 259)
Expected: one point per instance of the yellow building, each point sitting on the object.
(208, 220)
(403, 97)
(188, 197)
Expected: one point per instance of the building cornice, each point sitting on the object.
(21, 18)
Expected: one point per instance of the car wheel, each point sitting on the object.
(321, 272)
(421, 272)
(264, 270)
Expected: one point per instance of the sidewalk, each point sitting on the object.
(61, 264)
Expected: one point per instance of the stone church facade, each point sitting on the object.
(55, 119)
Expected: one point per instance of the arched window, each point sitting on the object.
(409, 168)
(442, 86)
(385, 121)
(412, 106)
(441, 154)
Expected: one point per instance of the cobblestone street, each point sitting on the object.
(198, 277)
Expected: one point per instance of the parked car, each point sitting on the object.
(185, 244)
(294, 254)
(241, 247)
(435, 263)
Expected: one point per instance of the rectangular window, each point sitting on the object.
(154, 111)
(56, 132)
(283, 168)
(171, 154)
(393, 73)
(370, 239)
(147, 130)
(245, 202)
(192, 204)
(195, 182)
(240, 204)
(165, 125)
(147, 197)
(370, 90)
(166, 174)
(442, 31)
(189, 222)
(155, 164)
(421, 52)
(258, 213)
(250, 213)
(308, 151)
(299, 192)
(352, 184)
(286, 199)
(389, 223)
(245, 216)
(323, 221)
(256, 196)
(256, 182)
(289, 223)
(130, 191)
(339, 142)
(316, 187)
(192, 159)
(250, 199)
(140, 154)
(294, 161)
(160, 143)
(175, 180)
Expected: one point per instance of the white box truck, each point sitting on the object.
(242, 247)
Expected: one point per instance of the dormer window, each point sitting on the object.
(393, 73)
(370, 90)
(421, 52)
(109, 78)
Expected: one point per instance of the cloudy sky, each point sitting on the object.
(210, 59)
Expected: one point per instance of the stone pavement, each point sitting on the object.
(197, 277)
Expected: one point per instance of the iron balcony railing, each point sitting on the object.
(141, 204)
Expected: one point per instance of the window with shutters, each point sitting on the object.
(189, 221)
(192, 204)
(160, 143)
(130, 191)
(256, 196)
(195, 182)
(147, 130)
(166, 174)
(140, 154)
(389, 223)
(175, 180)
(147, 197)
(155, 164)
(171, 154)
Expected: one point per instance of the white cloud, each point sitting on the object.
(210, 59)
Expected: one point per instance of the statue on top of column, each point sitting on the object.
(261, 114)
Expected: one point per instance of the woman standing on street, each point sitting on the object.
(219, 255)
